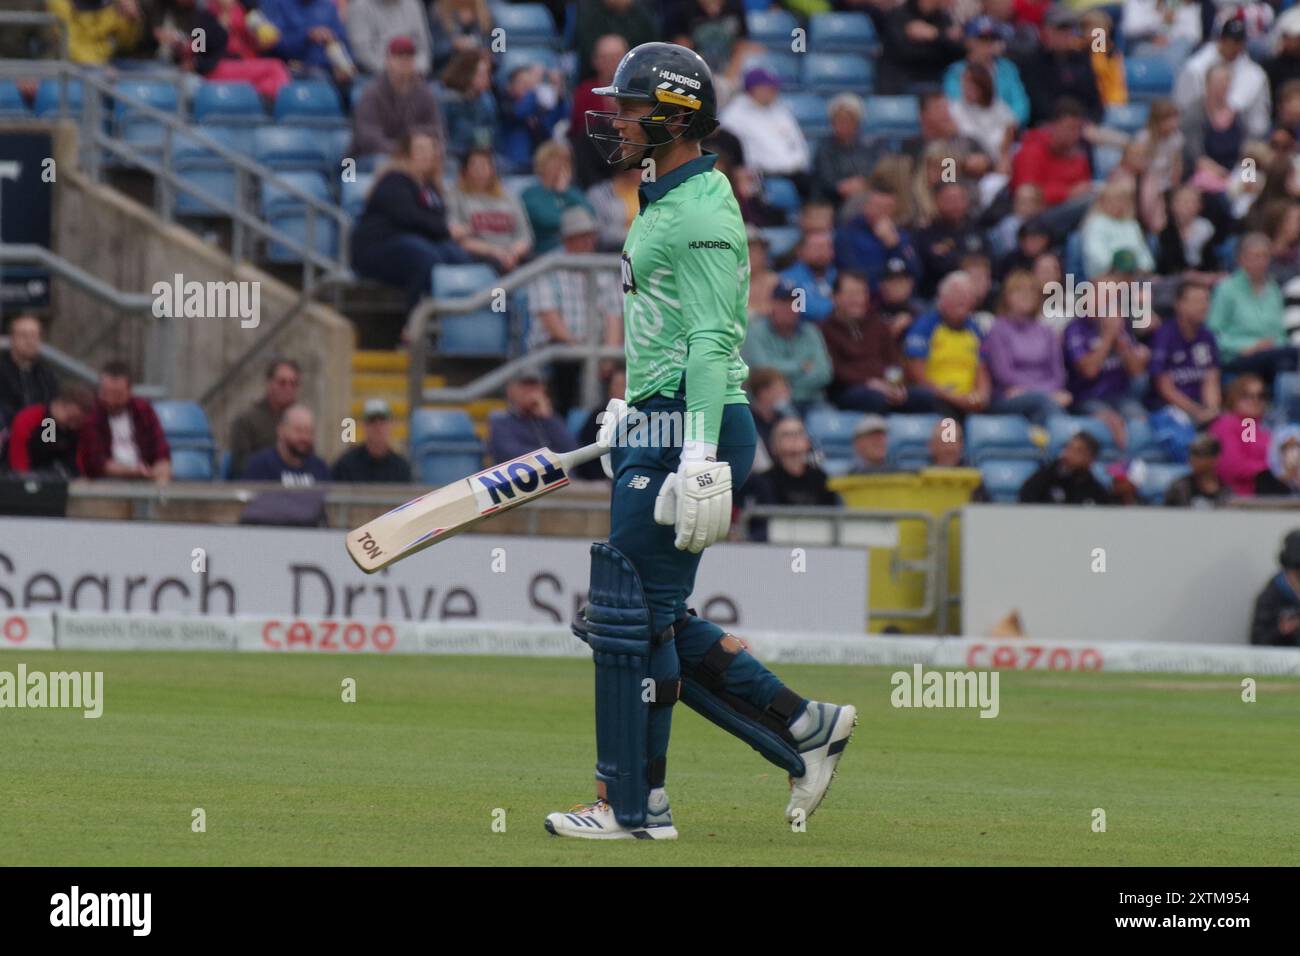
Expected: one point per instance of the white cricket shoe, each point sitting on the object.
(596, 821)
(821, 749)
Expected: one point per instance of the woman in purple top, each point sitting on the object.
(1104, 366)
(1023, 355)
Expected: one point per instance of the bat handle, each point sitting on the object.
(580, 456)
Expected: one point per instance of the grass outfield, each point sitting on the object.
(411, 774)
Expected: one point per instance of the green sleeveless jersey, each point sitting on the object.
(686, 295)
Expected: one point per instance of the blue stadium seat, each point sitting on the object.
(354, 194)
(781, 240)
(185, 424)
(444, 445)
(337, 142)
(308, 103)
(481, 333)
(192, 464)
(288, 214)
(784, 64)
(1142, 442)
(197, 164)
(1062, 428)
(11, 102)
(133, 126)
(809, 110)
(1156, 480)
(515, 185)
(47, 98)
(1003, 478)
(897, 116)
(292, 148)
(1002, 437)
(1149, 77)
(437, 467)
(431, 425)
(838, 73)
(1104, 159)
(1129, 117)
(773, 28)
(519, 56)
(842, 33)
(576, 418)
(526, 24)
(1072, 262)
(781, 193)
(227, 103)
(831, 430)
(909, 440)
(1286, 397)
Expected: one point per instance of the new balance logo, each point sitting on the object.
(639, 482)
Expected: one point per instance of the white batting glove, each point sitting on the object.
(614, 412)
(696, 499)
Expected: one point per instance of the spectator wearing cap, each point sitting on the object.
(1246, 315)
(123, 437)
(1068, 479)
(470, 109)
(866, 363)
(1247, 83)
(292, 460)
(1282, 478)
(553, 193)
(921, 38)
(873, 237)
(771, 137)
(562, 310)
(1275, 619)
(1241, 433)
(532, 105)
(942, 351)
(1060, 68)
(870, 446)
(374, 459)
(34, 449)
(985, 44)
(394, 104)
(1201, 487)
(1023, 354)
(895, 303)
(1184, 371)
(813, 273)
(373, 25)
(1052, 158)
(308, 30)
(1111, 226)
(528, 422)
(25, 377)
(495, 221)
(793, 347)
(843, 162)
(615, 202)
(950, 236)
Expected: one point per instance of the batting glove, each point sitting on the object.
(614, 413)
(696, 499)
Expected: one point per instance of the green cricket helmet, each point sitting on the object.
(671, 76)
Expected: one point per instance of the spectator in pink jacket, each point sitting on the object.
(1242, 435)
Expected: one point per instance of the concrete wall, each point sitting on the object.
(126, 245)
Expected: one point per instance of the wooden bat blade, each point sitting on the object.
(437, 515)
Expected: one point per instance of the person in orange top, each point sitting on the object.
(1107, 59)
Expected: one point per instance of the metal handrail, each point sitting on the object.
(20, 18)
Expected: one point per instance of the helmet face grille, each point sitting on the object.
(661, 127)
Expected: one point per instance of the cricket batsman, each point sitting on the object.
(686, 284)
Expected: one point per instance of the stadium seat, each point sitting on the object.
(308, 103)
(199, 165)
(781, 240)
(837, 73)
(437, 467)
(444, 445)
(515, 185)
(1149, 77)
(1064, 427)
(184, 423)
(773, 28)
(227, 103)
(292, 148)
(526, 24)
(519, 56)
(431, 424)
(1104, 160)
(288, 214)
(1003, 478)
(1072, 262)
(784, 65)
(354, 194)
(1156, 479)
(1129, 117)
(809, 110)
(1286, 397)
(842, 33)
(831, 430)
(47, 98)
(909, 440)
(480, 333)
(337, 142)
(896, 116)
(136, 128)
(192, 464)
(1142, 442)
(11, 102)
(576, 418)
(781, 193)
(1001, 437)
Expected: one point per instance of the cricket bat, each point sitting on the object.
(448, 511)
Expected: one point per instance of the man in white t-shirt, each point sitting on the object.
(768, 132)
(1248, 92)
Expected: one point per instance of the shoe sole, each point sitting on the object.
(835, 767)
(644, 833)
